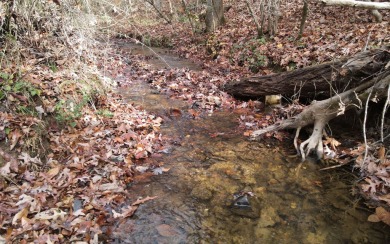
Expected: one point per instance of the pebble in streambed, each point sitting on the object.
(245, 204)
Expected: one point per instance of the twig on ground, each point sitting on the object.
(335, 166)
(12, 181)
(368, 39)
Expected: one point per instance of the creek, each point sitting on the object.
(222, 188)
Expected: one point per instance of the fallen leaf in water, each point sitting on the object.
(160, 170)
(385, 198)
(115, 214)
(193, 113)
(166, 230)
(175, 112)
(380, 215)
(126, 212)
(143, 200)
(157, 171)
(142, 169)
(213, 135)
(332, 142)
(373, 218)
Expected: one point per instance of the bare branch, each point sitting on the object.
(358, 4)
(151, 2)
(384, 112)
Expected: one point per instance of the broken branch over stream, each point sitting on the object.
(320, 113)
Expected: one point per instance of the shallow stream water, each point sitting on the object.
(222, 188)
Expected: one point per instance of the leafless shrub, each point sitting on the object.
(266, 14)
(48, 31)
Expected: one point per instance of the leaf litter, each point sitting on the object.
(95, 160)
(92, 162)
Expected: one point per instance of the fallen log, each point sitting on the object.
(320, 113)
(318, 81)
(358, 4)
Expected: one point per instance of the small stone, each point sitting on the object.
(263, 234)
(268, 217)
(293, 205)
(272, 181)
(242, 202)
(201, 193)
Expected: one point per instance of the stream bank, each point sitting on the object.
(219, 187)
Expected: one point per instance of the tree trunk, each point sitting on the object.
(305, 10)
(258, 26)
(318, 81)
(214, 15)
(358, 4)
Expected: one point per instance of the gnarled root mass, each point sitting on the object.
(320, 113)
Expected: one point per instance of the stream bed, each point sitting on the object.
(222, 188)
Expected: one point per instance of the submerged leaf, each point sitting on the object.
(143, 200)
(166, 230)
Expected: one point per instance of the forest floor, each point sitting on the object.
(70, 148)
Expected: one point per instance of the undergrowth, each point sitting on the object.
(47, 51)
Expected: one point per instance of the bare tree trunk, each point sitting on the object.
(258, 27)
(214, 15)
(273, 17)
(303, 20)
(190, 19)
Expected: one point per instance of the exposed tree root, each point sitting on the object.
(320, 113)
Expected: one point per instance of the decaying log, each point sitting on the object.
(323, 80)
